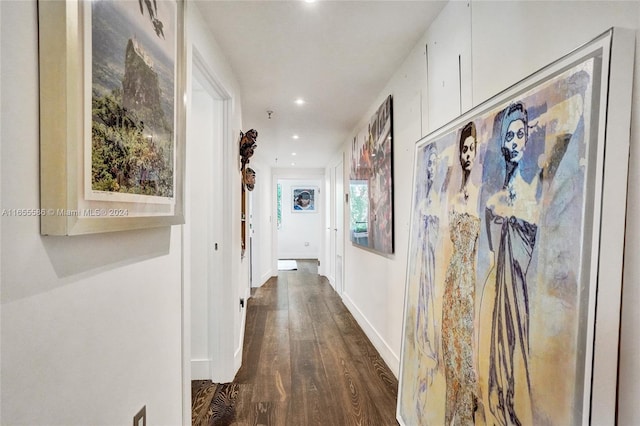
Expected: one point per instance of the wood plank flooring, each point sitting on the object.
(307, 362)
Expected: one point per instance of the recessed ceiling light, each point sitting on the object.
(293, 153)
(309, 1)
(299, 101)
(296, 137)
(293, 164)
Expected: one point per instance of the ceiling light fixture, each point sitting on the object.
(293, 153)
(296, 137)
(299, 101)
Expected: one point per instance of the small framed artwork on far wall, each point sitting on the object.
(303, 200)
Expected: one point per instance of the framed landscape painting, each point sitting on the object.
(517, 216)
(112, 115)
(371, 183)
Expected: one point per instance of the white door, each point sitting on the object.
(331, 211)
(203, 213)
(339, 226)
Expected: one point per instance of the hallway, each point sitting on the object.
(306, 361)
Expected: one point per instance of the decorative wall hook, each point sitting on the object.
(247, 146)
(249, 178)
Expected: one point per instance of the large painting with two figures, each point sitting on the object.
(498, 279)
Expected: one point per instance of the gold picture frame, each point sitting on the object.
(110, 159)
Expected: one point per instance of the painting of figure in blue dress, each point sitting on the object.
(495, 293)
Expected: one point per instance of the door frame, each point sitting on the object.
(339, 207)
(220, 303)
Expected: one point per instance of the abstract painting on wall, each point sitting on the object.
(507, 234)
(371, 183)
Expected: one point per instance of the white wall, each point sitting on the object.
(629, 367)
(501, 43)
(0, 206)
(93, 319)
(91, 325)
(300, 235)
(74, 309)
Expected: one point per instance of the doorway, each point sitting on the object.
(208, 341)
(339, 226)
(202, 233)
(299, 218)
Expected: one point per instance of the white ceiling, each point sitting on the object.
(336, 55)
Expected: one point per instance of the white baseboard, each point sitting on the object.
(237, 355)
(200, 369)
(387, 354)
(265, 277)
(332, 280)
(237, 360)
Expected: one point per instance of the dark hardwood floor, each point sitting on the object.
(306, 361)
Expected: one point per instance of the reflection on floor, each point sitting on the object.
(287, 265)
